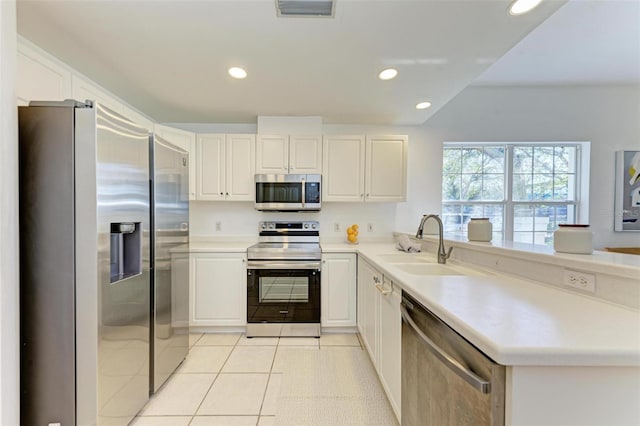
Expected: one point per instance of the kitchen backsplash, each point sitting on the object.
(240, 219)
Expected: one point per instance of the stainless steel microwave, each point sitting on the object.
(292, 192)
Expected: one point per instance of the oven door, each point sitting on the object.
(283, 292)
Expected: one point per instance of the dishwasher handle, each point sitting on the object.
(469, 376)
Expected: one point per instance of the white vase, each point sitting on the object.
(479, 229)
(576, 239)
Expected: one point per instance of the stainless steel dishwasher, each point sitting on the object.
(445, 379)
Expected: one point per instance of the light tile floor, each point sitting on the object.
(229, 379)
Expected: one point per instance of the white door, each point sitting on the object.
(305, 154)
(210, 168)
(240, 166)
(272, 154)
(343, 165)
(338, 290)
(386, 169)
(368, 277)
(220, 289)
(390, 347)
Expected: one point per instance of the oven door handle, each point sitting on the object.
(270, 264)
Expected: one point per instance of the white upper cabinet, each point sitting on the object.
(343, 168)
(210, 165)
(272, 154)
(305, 154)
(282, 154)
(39, 78)
(356, 168)
(225, 167)
(240, 152)
(386, 168)
(187, 141)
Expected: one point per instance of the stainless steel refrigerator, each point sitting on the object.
(86, 255)
(170, 267)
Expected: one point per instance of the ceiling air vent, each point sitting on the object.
(305, 7)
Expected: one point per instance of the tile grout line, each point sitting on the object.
(214, 380)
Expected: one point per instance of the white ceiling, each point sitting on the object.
(169, 58)
(584, 42)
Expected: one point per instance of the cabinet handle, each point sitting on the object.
(361, 195)
(382, 290)
(221, 193)
(367, 195)
(227, 194)
(324, 261)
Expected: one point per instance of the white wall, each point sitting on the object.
(9, 331)
(608, 116)
(423, 194)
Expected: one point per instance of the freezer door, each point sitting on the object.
(171, 269)
(114, 215)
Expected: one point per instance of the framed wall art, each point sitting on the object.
(627, 207)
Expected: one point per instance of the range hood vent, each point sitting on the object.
(311, 8)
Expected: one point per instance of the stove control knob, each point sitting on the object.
(264, 226)
(314, 226)
(306, 226)
(272, 226)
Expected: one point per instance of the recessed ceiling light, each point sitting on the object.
(518, 7)
(236, 72)
(423, 105)
(388, 74)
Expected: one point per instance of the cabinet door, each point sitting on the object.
(272, 154)
(240, 167)
(338, 290)
(39, 78)
(343, 165)
(187, 141)
(368, 277)
(220, 289)
(210, 167)
(386, 169)
(390, 353)
(305, 154)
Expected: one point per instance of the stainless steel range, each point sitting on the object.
(283, 280)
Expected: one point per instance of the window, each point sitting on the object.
(526, 190)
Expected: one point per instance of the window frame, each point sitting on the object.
(579, 203)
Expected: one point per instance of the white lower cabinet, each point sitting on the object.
(338, 290)
(390, 347)
(219, 291)
(380, 326)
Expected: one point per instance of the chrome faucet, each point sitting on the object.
(443, 255)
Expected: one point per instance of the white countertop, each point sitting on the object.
(519, 322)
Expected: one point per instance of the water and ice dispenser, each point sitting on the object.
(126, 250)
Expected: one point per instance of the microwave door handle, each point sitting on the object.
(304, 195)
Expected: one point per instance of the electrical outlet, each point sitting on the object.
(580, 280)
(369, 227)
(218, 226)
(336, 227)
